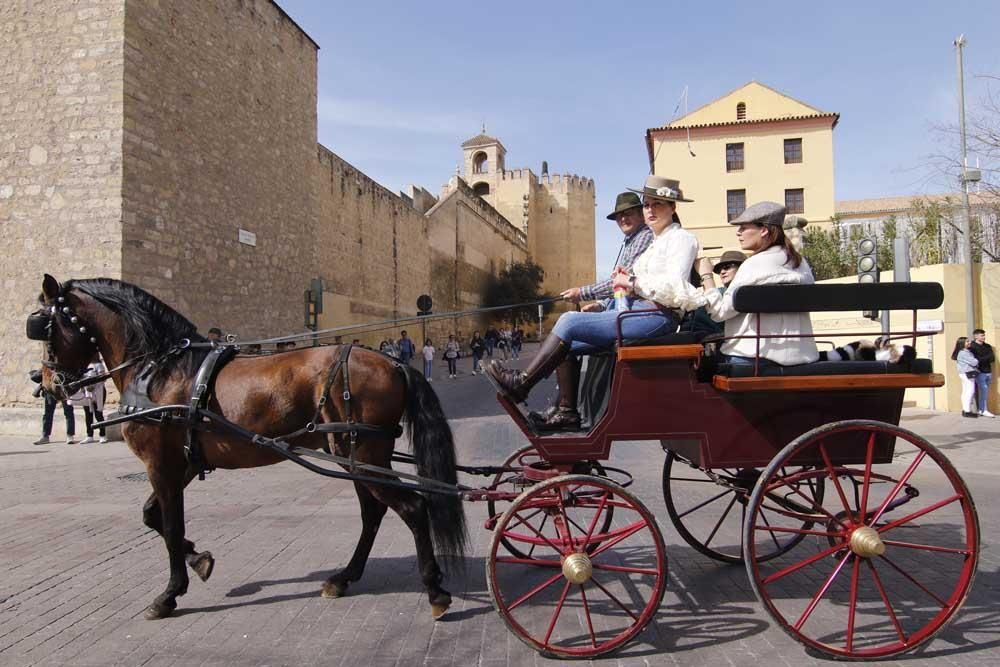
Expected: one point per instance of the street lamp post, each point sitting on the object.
(970, 301)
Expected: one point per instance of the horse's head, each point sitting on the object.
(70, 343)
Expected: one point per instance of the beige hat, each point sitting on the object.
(666, 189)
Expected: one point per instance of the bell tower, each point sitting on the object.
(483, 157)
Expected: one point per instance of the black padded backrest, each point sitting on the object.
(857, 296)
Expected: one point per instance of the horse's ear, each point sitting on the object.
(50, 287)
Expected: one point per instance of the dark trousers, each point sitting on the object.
(452, 365)
(88, 417)
(50, 411)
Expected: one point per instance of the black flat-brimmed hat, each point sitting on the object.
(624, 202)
(762, 213)
(729, 257)
(665, 189)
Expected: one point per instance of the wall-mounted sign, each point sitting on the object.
(248, 238)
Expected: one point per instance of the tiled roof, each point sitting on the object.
(882, 205)
(480, 140)
(671, 126)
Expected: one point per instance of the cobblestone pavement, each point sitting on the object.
(79, 567)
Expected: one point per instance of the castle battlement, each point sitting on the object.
(566, 182)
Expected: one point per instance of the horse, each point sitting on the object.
(268, 395)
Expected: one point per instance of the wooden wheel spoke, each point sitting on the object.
(625, 568)
(722, 518)
(707, 502)
(621, 537)
(797, 531)
(555, 614)
(540, 536)
(586, 612)
(566, 522)
(614, 599)
(801, 564)
(899, 485)
(853, 604)
(869, 452)
(593, 522)
(535, 591)
(537, 562)
(767, 523)
(885, 601)
(919, 513)
(531, 551)
(913, 581)
(811, 501)
(524, 520)
(822, 591)
(926, 547)
(836, 481)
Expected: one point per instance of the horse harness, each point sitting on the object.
(136, 400)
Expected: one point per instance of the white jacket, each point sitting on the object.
(767, 267)
(663, 271)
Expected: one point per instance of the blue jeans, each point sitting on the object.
(589, 331)
(50, 409)
(428, 368)
(983, 381)
(477, 360)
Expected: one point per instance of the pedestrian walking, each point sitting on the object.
(477, 346)
(428, 351)
(491, 341)
(968, 370)
(516, 341)
(452, 350)
(407, 350)
(983, 352)
(93, 403)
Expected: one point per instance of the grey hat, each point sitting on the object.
(761, 213)
(625, 202)
(665, 189)
(729, 257)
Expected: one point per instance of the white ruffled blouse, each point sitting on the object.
(662, 272)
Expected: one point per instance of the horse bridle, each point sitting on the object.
(40, 326)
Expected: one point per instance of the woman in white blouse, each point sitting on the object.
(774, 262)
(658, 282)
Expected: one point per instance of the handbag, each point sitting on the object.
(972, 374)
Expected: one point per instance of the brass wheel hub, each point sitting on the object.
(577, 568)
(866, 542)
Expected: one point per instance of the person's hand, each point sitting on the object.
(621, 281)
(572, 294)
(593, 308)
(704, 266)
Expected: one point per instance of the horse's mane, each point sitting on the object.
(151, 326)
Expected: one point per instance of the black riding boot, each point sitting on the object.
(517, 384)
(564, 415)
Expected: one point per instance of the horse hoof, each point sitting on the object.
(438, 610)
(157, 611)
(333, 589)
(203, 564)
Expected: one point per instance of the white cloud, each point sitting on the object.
(378, 115)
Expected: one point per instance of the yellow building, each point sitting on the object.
(750, 145)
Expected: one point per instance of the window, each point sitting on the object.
(736, 203)
(734, 157)
(793, 151)
(479, 163)
(741, 111)
(795, 200)
(481, 189)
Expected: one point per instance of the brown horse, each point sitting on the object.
(270, 396)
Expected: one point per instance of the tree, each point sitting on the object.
(824, 250)
(521, 282)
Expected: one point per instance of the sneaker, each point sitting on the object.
(103, 440)
(44, 440)
(969, 414)
(87, 440)
(986, 413)
(71, 440)
(474, 372)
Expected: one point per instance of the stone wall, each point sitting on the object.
(220, 135)
(60, 160)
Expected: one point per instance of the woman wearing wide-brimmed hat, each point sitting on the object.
(659, 280)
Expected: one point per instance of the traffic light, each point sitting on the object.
(868, 269)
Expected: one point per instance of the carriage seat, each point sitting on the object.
(678, 338)
(917, 367)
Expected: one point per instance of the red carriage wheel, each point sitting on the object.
(894, 557)
(586, 590)
(708, 507)
(516, 482)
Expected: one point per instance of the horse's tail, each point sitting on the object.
(434, 450)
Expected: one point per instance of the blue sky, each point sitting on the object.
(401, 85)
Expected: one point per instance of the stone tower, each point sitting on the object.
(555, 211)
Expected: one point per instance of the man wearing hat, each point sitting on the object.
(628, 215)
(725, 268)
(774, 261)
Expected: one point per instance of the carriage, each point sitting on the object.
(859, 538)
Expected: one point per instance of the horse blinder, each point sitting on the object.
(39, 326)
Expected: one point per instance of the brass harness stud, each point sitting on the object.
(577, 568)
(865, 542)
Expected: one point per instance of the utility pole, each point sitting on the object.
(970, 300)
